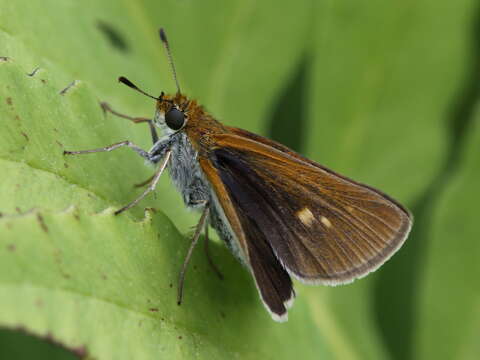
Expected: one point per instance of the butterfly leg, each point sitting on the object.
(196, 236)
(151, 187)
(160, 153)
(112, 147)
(207, 253)
(137, 120)
(143, 183)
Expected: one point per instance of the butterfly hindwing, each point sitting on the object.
(272, 280)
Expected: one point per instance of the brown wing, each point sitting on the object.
(272, 280)
(322, 227)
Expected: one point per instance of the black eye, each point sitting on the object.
(175, 119)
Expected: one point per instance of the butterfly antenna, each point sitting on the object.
(127, 82)
(163, 37)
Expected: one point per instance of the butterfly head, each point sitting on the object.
(176, 113)
(172, 112)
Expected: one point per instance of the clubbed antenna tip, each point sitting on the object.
(127, 82)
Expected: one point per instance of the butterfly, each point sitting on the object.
(282, 215)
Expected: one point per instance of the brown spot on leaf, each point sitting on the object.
(9, 101)
(33, 72)
(11, 247)
(180, 337)
(153, 309)
(25, 136)
(42, 223)
(65, 90)
(59, 143)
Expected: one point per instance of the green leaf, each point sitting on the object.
(387, 77)
(385, 74)
(449, 304)
(107, 284)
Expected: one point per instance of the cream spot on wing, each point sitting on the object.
(326, 222)
(305, 216)
(349, 209)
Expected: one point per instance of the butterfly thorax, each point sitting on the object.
(186, 146)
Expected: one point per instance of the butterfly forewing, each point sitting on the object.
(322, 227)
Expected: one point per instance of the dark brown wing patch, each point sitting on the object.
(272, 280)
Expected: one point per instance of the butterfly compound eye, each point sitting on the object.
(175, 119)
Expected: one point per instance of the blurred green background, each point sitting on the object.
(384, 92)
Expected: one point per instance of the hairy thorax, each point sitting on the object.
(186, 174)
(185, 170)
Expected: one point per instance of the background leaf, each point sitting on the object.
(450, 299)
(381, 91)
